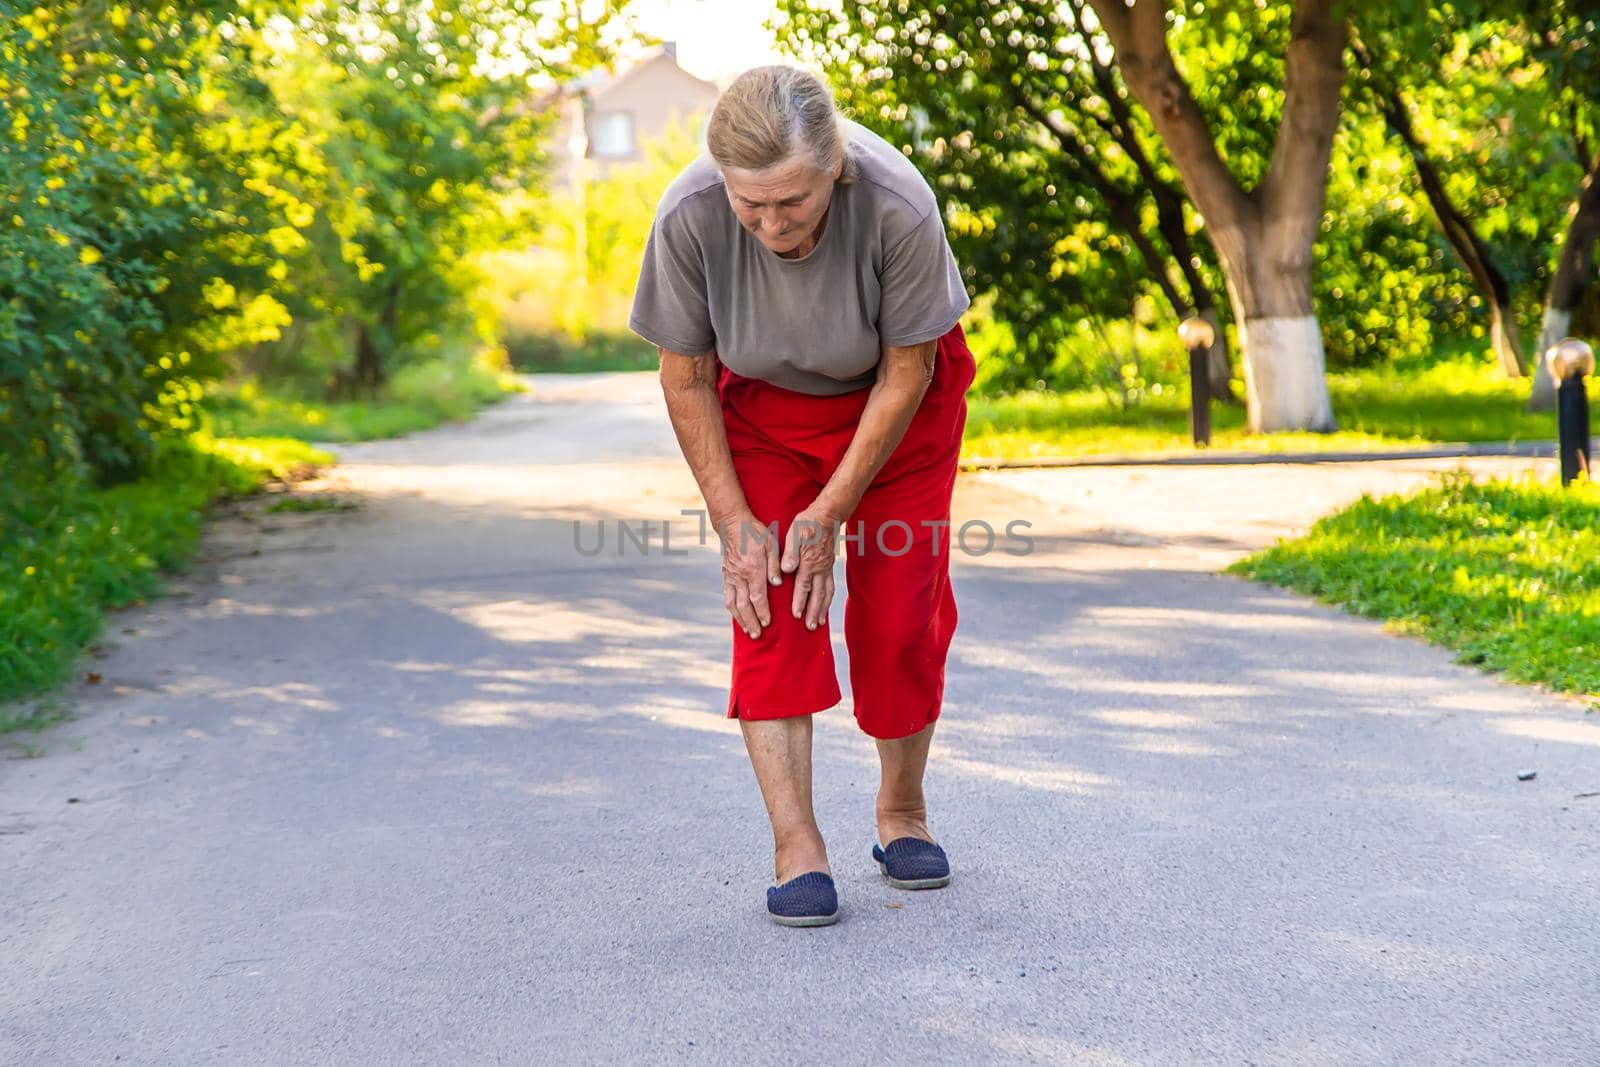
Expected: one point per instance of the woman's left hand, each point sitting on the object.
(808, 554)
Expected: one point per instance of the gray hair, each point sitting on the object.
(768, 115)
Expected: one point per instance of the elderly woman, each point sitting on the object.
(802, 292)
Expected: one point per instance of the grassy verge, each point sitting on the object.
(1506, 573)
(69, 558)
(600, 350)
(418, 398)
(1453, 400)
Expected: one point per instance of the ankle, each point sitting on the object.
(914, 809)
(797, 854)
(892, 826)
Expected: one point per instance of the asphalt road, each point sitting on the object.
(423, 782)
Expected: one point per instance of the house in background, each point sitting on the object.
(606, 119)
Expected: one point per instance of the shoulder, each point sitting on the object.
(897, 192)
(694, 199)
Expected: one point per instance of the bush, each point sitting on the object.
(598, 351)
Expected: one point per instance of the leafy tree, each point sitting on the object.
(426, 125)
(1263, 212)
(1061, 204)
(114, 209)
(184, 180)
(1498, 119)
(1457, 107)
(1386, 282)
(1563, 34)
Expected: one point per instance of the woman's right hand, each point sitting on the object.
(750, 566)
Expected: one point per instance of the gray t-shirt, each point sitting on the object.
(881, 274)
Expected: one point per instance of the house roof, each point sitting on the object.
(598, 83)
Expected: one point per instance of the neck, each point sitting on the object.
(805, 247)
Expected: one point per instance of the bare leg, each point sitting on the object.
(902, 810)
(780, 752)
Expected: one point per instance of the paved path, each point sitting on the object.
(420, 783)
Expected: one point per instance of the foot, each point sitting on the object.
(911, 863)
(810, 900)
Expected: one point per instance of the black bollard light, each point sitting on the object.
(1196, 334)
(1570, 361)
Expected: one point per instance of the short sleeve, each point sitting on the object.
(922, 293)
(670, 307)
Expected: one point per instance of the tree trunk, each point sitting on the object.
(1457, 228)
(1263, 238)
(1574, 275)
(1286, 385)
(367, 375)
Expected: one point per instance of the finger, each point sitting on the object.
(817, 607)
(802, 592)
(742, 612)
(758, 594)
(775, 566)
(791, 549)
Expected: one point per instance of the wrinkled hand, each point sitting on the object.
(808, 554)
(749, 566)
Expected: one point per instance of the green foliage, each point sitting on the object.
(1049, 177)
(1036, 155)
(1505, 573)
(1387, 285)
(198, 189)
(103, 102)
(69, 555)
(412, 146)
(1127, 361)
(1499, 99)
(600, 350)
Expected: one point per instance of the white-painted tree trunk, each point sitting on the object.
(1285, 374)
(1556, 325)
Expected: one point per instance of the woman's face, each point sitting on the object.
(780, 205)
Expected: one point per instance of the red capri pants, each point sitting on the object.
(900, 612)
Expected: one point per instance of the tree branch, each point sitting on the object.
(1138, 36)
(1168, 200)
(1294, 187)
(1573, 267)
(1122, 204)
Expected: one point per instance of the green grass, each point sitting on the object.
(418, 398)
(70, 555)
(1459, 399)
(1506, 573)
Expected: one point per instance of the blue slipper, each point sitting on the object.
(912, 863)
(809, 900)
